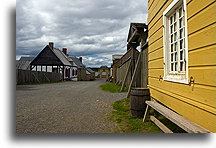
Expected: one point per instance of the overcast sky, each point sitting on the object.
(93, 29)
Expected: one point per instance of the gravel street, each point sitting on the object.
(68, 107)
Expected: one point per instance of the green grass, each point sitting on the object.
(112, 87)
(37, 83)
(127, 124)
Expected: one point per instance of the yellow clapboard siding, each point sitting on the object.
(196, 6)
(155, 8)
(203, 94)
(204, 75)
(150, 3)
(202, 38)
(158, 63)
(155, 36)
(157, 44)
(156, 73)
(158, 25)
(203, 56)
(156, 54)
(152, 22)
(197, 115)
(202, 19)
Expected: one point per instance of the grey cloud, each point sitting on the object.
(85, 27)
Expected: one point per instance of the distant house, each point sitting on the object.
(90, 74)
(83, 73)
(115, 65)
(96, 69)
(51, 58)
(80, 70)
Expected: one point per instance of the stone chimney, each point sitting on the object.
(80, 58)
(51, 45)
(64, 50)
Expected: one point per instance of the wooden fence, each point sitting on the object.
(26, 76)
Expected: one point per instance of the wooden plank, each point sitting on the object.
(154, 28)
(156, 9)
(160, 125)
(202, 115)
(204, 75)
(155, 45)
(203, 56)
(156, 72)
(146, 114)
(156, 63)
(182, 122)
(155, 36)
(202, 19)
(196, 93)
(156, 54)
(196, 6)
(144, 68)
(126, 74)
(202, 38)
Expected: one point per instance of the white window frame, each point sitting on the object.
(178, 76)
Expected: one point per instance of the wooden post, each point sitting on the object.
(36, 67)
(146, 115)
(46, 68)
(145, 67)
(134, 73)
(63, 72)
(41, 68)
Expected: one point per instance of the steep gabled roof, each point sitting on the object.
(62, 57)
(134, 31)
(77, 62)
(50, 56)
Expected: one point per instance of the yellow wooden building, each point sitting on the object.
(181, 57)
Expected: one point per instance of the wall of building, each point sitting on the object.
(27, 76)
(198, 101)
(81, 74)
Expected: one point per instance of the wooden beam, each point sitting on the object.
(160, 125)
(133, 76)
(179, 120)
(146, 115)
(123, 83)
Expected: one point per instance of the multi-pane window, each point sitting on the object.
(175, 42)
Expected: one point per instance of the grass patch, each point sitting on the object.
(127, 124)
(37, 83)
(112, 87)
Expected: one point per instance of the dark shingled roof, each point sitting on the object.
(62, 57)
(90, 70)
(24, 65)
(26, 58)
(77, 62)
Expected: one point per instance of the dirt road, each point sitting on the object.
(68, 107)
